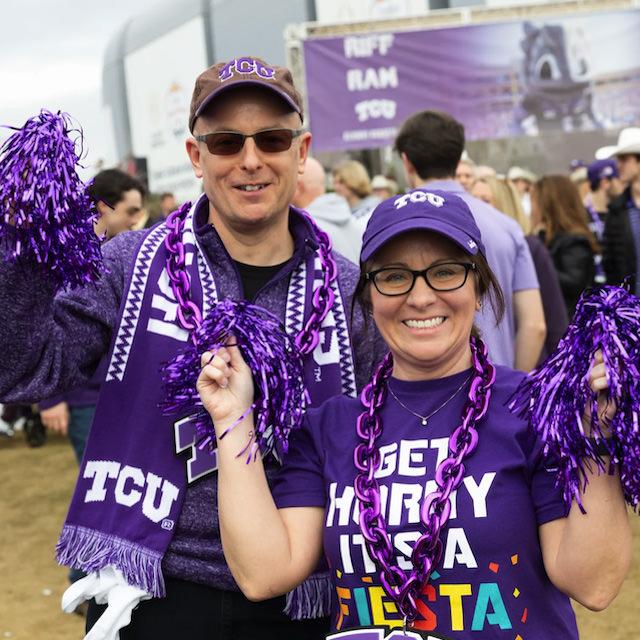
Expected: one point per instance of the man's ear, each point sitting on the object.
(103, 208)
(305, 144)
(193, 151)
(409, 170)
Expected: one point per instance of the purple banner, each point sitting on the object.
(579, 73)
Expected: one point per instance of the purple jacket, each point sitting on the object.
(56, 343)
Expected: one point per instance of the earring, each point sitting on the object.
(478, 305)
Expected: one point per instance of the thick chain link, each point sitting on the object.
(190, 317)
(404, 588)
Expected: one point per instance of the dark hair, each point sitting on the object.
(166, 194)
(433, 142)
(109, 186)
(488, 288)
(561, 209)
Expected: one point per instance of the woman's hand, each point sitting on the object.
(599, 383)
(225, 386)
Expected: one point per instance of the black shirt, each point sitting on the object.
(253, 278)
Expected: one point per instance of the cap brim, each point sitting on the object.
(455, 234)
(246, 83)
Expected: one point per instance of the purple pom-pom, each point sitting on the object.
(553, 397)
(46, 214)
(280, 393)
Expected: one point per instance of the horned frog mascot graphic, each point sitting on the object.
(557, 81)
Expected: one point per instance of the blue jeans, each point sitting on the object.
(80, 420)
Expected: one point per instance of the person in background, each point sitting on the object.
(621, 244)
(430, 144)
(604, 187)
(522, 180)
(466, 172)
(351, 181)
(499, 193)
(383, 187)
(119, 199)
(485, 171)
(560, 220)
(168, 203)
(330, 210)
(579, 176)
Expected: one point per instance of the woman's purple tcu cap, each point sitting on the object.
(439, 211)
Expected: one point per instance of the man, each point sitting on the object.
(430, 144)
(119, 199)
(621, 243)
(168, 203)
(604, 186)
(329, 210)
(137, 521)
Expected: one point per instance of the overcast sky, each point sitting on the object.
(51, 54)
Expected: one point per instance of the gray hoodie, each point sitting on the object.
(333, 215)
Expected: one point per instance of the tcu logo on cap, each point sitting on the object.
(246, 66)
(418, 196)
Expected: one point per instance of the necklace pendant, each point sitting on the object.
(424, 422)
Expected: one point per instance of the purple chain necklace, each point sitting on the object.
(190, 317)
(404, 588)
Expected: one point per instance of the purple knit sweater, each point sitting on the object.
(54, 344)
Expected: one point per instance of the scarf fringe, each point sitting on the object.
(311, 599)
(91, 550)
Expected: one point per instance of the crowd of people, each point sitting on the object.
(436, 299)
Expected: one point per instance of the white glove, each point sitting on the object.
(109, 587)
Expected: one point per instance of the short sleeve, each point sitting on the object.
(524, 271)
(547, 498)
(300, 480)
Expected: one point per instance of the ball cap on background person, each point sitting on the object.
(600, 169)
(437, 211)
(519, 173)
(242, 72)
(628, 142)
(379, 182)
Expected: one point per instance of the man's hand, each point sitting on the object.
(56, 418)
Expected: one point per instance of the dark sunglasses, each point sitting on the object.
(228, 143)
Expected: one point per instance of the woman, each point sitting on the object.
(560, 219)
(503, 196)
(351, 181)
(507, 556)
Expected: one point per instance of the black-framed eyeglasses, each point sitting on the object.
(228, 143)
(398, 281)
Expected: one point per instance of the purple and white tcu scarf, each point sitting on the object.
(132, 483)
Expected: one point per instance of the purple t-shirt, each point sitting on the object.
(491, 582)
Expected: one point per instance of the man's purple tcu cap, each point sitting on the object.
(438, 211)
(242, 72)
(599, 169)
